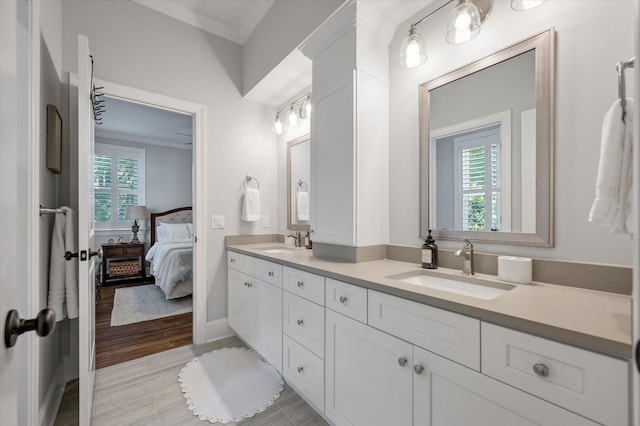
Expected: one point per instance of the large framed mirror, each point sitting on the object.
(486, 148)
(298, 182)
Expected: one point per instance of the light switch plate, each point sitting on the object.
(265, 221)
(217, 222)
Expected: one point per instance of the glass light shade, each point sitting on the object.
(525, 4)
(293, 117)
(277, 126)
(464, 23)
(412, 51)
(305, 109)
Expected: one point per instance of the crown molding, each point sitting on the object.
(331, 30)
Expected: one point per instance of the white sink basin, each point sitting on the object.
(478, 290)
(277, 249)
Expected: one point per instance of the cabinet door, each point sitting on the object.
(239, 303)
(266, 328)
(368, 375)
(446, 393)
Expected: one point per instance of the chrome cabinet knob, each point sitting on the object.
(343, 299)
(232, 260)
(246, 284)
(541, 370)
(402, 361)
(270, 273)
(300, 369)
(300, 283)
(300, 322)
(418, 368)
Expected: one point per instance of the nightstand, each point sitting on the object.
(123, 262)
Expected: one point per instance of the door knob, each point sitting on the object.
(43, 324)
(98, 253)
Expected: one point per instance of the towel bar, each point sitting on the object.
(47, 210)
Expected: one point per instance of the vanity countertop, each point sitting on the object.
(594, 320)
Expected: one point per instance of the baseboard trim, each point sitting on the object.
(53, 398)
(218, 329)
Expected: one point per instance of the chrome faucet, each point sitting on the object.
(467, 255)
(297, 238)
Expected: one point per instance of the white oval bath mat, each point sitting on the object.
(230, 384)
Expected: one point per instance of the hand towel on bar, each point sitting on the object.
(251, 205)
(302, 205)
(63, 274)
(612, 204)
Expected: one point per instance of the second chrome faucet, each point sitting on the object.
(467, 257)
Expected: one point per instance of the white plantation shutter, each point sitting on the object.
(119, 182)
(477, 163)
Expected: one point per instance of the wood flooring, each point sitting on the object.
(123, 343)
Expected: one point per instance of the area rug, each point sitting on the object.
(230, 384)
(144, 303)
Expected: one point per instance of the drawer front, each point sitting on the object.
(271, 272)
(114, 251)
(245, 264)
(304, 322)
(347, 299)
(304, 284)
(136, 251)
(305, 371)
(591, 384)
(234, 260)
(445, 333)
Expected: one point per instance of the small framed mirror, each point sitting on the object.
(486, 148)
(298, 182)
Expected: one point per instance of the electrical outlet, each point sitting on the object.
(265, 221)
(217, 222)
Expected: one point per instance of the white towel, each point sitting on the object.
(302, 205)
(63, 274)
(251, 205)
(612, 204)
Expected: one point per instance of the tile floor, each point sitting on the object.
(146, 391)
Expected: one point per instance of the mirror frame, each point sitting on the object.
(291, 144)
(544, 46)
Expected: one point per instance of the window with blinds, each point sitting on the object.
(118, 183)
(477, 161)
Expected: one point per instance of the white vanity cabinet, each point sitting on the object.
(255, 306)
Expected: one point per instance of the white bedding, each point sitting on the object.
(172, 267)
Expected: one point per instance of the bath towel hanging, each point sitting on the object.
(63, 274)
(251, 201)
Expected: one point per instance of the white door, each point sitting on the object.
(368, 378)
(86, 266)
(18, 368)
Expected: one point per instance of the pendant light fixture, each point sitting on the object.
(305, 109)
(293, 117)
(464, 23)
(525, 4)
(277, 126)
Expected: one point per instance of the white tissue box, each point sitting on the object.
(515, 269)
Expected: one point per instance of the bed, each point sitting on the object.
(171, 252)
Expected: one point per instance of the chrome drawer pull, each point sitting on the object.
(300, 322)
(300, 369)
(270, 273)
(232, 260)
(300, 283)
(418, 368)
(541, 370)
(343, 299)
(402, 361)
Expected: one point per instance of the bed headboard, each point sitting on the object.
(179, 215)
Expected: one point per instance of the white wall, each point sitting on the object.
(287, 24)
(138, 47)
(592, 36)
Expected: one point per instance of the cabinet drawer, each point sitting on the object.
(304, 284)
(304, 322)
(591, 384)
(304, 371)
(135, 251)
(445, 333)
(113, 251)
(245, 264)
(271, 272)
(347, 299)
(234, 260)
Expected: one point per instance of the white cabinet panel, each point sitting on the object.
(304, 370)
(446, 394)
(239, 303)
(451, 335)
(271, 273)
(368, 375)
(347, 299)
(591, 384)
(304, 284)
(266, 328)
(304, 322)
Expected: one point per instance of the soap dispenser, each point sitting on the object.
(429, 253)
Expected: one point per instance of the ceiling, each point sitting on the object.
(133, 122)
(233, 20)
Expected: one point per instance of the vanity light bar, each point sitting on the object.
(300, 108)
